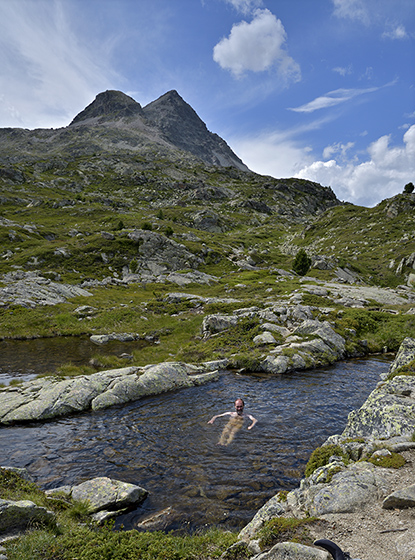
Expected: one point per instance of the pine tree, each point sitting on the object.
(301, 263)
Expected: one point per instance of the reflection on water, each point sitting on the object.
(25, 359)
(165, 444)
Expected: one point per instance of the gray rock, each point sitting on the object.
(293, 551)
(388, 411)
(85, 311)
(283, 331)
(273, 508)
(207, 220)
(325, 332)
(350, 489)
(30, 290)
(15, 516)
(264, 338)
(103, 493)
(405, 355)
(217, 323)
(159, 254)
(46, 398)
(107, 235)
(403, 498)
(276, 364)
(100, 339)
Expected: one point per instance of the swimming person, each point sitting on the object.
(235, 423)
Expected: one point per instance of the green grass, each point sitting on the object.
(73, 535)
(281, 529)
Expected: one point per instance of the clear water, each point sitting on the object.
(25, 359)
(164, 443)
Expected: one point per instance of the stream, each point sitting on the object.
(164, 443)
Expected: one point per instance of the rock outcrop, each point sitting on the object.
(17, 516)
(159, 254)
(42, 399)
(30, 289)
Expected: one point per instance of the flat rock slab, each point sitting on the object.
(42, 399)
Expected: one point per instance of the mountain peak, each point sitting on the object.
(180, 125)
(108, 106)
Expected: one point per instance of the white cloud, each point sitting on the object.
(47, 74)
(245, 6)
(256, 46)
(274, 153)
(383, 175)
(343, 71)
(331, 99)
(351, 9)
(398, 32)
(337, 148)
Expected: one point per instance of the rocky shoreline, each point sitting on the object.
(349, 490)
(47, 398)
(351, 487)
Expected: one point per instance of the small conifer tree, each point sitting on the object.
(301, 263)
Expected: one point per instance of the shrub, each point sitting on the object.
(301, 263)
(409, 187)
(321, 456)
(147, 226)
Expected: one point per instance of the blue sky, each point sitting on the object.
(319, 89)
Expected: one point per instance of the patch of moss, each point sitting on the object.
(407, 369)
(247, 362)
(392, 461)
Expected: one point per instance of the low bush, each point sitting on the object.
(321, 456)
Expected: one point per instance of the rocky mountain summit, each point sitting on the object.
(114, 122)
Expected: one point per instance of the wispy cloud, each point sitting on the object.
(351, 9)
(45, 68)
(398, 32)
(245, 6)
(343, 70)
(331, 99)
(257, 46)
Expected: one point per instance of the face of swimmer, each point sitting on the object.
(239, 406)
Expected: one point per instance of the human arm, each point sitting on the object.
(218, 416)
(254, 421)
